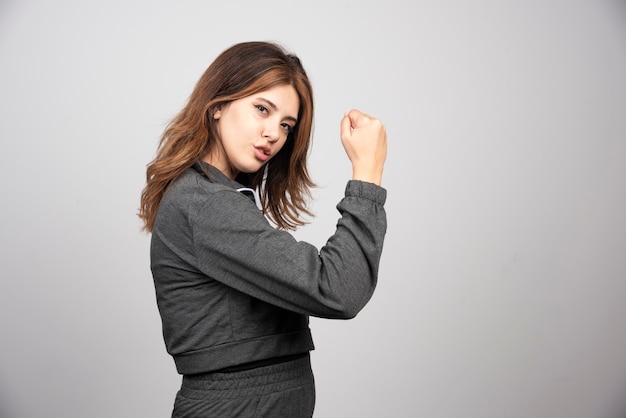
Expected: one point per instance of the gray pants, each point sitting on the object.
(279, 390)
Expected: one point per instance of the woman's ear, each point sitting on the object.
(217, 113)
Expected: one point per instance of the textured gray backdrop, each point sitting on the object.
(503, 282)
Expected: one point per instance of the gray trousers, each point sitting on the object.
(279, 390)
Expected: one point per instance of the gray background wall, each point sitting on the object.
(503, 282)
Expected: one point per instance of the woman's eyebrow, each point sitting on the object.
(274, 107)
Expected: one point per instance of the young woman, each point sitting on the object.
(234, 291)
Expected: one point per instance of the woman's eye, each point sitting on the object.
(262, 108)
(288, 128)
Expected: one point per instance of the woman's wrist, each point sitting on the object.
(367, 176)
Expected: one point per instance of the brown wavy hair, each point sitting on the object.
(242, 70)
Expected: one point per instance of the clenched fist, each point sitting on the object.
(365, 140)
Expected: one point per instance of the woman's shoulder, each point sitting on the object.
(192, 185)
(192, 196)
(188, 195)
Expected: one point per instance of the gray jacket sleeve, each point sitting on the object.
(235, 244)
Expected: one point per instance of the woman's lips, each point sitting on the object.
(262, 153)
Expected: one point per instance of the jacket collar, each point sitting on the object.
(214, 175)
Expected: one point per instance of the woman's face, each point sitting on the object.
(253, 130)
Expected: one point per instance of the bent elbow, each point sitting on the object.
(347, 315)
(349, 296)
(350, 310)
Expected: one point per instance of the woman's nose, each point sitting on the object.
(271, 133)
